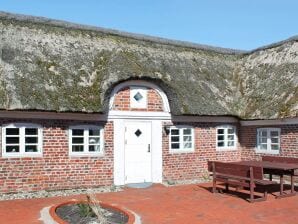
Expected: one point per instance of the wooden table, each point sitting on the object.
(277, 168)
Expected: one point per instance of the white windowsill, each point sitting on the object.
(224, 149)
(27, 155)
(267, 152)
(99, 154)
(179, 151)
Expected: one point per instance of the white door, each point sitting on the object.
(138, 152)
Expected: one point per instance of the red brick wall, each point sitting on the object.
(55, 169)
(288, 141)
(122, 101)
(190, 166)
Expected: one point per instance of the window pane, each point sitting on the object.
(94, 148)
(220, 144)
(31, 148)
(187, 145)
(30, 131)
(78, 132)
(231, 143)
(275, 147)
(187, 131)
(230, 137)
(174, 132)
(220, 137)
(187, 138)
(78, 140)
(274, 140)
(263, 133)
(12, 131)
(95, 132)
(220, 131)
(175, 138)
(31, 140)
(77, 148)
(263, 140)
(263, 146)
(94, 140)
(175, 145)
(12, 148)
(12, 140)
(231, 131)
(274, 133)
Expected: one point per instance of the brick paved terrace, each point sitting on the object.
(170, 205)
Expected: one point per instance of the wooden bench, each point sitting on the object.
(279, 159)
(239, 176)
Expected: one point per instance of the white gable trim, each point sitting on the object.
(163, 96)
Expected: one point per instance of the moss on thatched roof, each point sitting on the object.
(56, 66)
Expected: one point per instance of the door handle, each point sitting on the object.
(148, 148)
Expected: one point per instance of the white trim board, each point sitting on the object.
(284, 121)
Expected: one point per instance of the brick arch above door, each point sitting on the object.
(124, 94)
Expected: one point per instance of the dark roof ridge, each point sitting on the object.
(65, 24)
(273, 45)
(142, 37)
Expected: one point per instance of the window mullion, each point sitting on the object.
(181, 138)
(225, 140)
(22, 140)
(269, 139)
(86, 140)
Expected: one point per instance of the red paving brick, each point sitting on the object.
(177, 205)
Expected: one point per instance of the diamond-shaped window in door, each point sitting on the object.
(138, 96)
(138, 133)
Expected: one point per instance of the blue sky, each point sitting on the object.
(239, 24)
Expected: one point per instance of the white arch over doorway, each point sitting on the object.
(165, 101)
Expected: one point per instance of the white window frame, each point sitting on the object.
(226, 147)
(86, 151)
(143, 104)
(268, 150)
(22, 127)
(181, 149)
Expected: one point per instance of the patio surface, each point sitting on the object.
(178, 205)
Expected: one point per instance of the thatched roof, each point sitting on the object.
(50, 65)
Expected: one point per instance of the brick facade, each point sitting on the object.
(122, 101)
(189, 166)
(55, 169)
(288, 141)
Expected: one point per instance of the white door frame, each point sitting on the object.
(119, 150)
(146, 171)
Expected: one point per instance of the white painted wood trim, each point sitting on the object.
(156, 151)
(119, 153)
(119, 173)
(21, 135)
(138, 115)
(270, 122)
(122, 85)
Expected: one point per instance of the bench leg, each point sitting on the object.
(227, 187)
(270, 177)
(214, 186)
(292, 184)
(251, 194)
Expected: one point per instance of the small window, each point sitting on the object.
(21, 140)
(86, 140)
(138, 97)
(181, 139)
(226, 137)
(268, 140)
